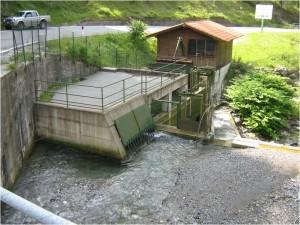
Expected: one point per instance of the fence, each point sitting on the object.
(103, 97)
(32, 44)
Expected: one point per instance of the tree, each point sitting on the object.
(137, 29)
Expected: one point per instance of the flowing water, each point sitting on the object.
(86, 188)
(169, 180)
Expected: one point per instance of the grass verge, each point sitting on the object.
(269, 50)
(233, 11)
(110, 50)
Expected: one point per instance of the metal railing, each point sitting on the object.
(103, 97)
(23, 46)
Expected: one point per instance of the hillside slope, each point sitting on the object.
(233, 12)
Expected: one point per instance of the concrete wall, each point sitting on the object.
(17, 96)
(158, 93)
(92, 130)
(85, 129)
(217, 86)
(89, 130)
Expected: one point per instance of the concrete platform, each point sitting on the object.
(88, 93)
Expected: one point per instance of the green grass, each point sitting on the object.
(269, 50)
(116, 50)
(12, 66)
(236, 12)
(48, 94)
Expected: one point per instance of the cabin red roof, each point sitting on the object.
(210, 28)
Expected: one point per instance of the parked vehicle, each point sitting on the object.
(27, 18)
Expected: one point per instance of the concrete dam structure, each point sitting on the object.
(30, 111)
(100, 110)
(107, 126)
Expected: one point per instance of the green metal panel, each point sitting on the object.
(156, 107)
(196, 107)
(143, 117)
(127, 128)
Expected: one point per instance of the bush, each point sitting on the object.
(263, 101)
(136, 30)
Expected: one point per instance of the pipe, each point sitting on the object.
(31, 209)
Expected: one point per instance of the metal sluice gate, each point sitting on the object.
(135, 127)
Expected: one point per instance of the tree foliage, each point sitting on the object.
(263, 101)
(136, 30)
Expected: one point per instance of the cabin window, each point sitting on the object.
(192, 47)
(210, 48)
(202, 47)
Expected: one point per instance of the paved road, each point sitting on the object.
(66, 31)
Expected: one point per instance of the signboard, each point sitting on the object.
(264, 12)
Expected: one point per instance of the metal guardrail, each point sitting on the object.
(102, 97)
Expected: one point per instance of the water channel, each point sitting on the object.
(170, 180)
(86, 188)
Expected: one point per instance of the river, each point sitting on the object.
(169, 180)
(86, 188)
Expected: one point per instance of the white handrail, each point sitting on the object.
(27, 207)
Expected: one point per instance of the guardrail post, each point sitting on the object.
(23, 47)
(178, 116)
(99, 50)
(146, 80)
(59, 45)
(67, 97)
(161, 79)
(73, 43)
(116, 57)
(136, 60)
(141, 82)
(32, 43)
(15, 46)
(35, 90)
(124, 97)
(46, 29)
(40, 55)
(102, 99)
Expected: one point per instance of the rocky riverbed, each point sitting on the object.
(171, 180)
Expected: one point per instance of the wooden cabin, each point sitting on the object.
(201, 43)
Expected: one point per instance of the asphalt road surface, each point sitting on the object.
(67, 31)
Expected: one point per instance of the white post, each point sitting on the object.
(262, 25)
(170, 106)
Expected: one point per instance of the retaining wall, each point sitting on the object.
(17, 96)
(217, 86)
(87, 129)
